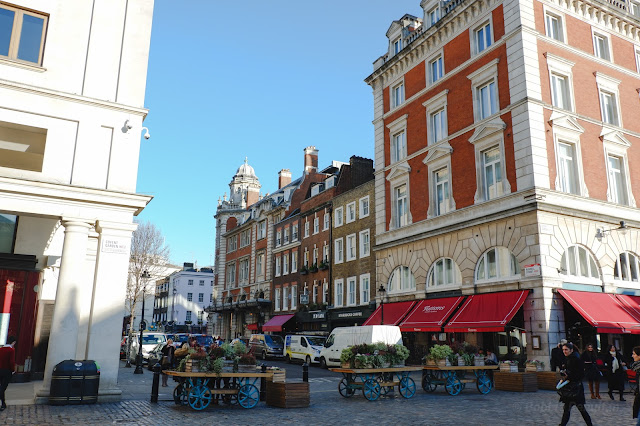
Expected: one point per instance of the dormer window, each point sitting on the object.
(397, 46)
(434, 16)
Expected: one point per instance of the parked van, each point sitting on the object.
(266, 345)
(304, 348)
(343, 337)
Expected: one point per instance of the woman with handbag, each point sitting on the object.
(590, 359)
(573, 392)
(616, 371)
(168, 360)
(636, 367)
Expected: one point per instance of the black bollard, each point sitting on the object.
(156, 382)
(263, 383)
(305, 372)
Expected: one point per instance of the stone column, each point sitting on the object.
(107, 308)
(68, 305)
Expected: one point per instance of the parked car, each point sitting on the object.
(266, 345)
(179, 339)
(123, 347)
(149, 341)
(203, 340)
(303, 348)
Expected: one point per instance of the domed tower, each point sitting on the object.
(245, 186)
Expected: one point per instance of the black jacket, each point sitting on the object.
(616, 380)
(574, 370)
(169, 351)
(557, 358)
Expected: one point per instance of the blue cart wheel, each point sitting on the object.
(371, 389)
(428, 383)
(344, 389)
(199, 397)
(248, 396)
(453, 385)
(407, 387)
(180, 393)
(483, 383)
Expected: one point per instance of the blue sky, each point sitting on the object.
(229, 79)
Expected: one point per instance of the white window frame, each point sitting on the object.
(397, 94)
(338, 217)
(231, 273)
(352, 291)
(278, 271)
(400, 220)
(437, 159)
(351, 247)
(479, 79)
(294, 261)
(277, 299)
(200, 297)
(285, 233)
(565, 267)
(294, 232)
(262, 229)
(326, 219)
(325, 291)
(306, 258)
(403, 286)
(561, 170)
(244, 271)
(338, 249)
(473, 35)
(500, 251)
(315, 256)
(617, 145)
(365, 243)
(446, 284)
(484, 138)
(634, 8)
(338, 292)
(433, 16)
(285, 264)
(365, 289)
(438, 210)
(278, 238)
(618, 273)
(395, 128)
(364, 207)
(316, 225)
(396, 45)
(285, 298)
(636, 50)
(325, 253)
(436, 104)
(548, 12)
(260, 264)
(610, 86)
(294, 297)
(306, 228)
(431, 76)
(189, 297)
(564, 68)
(351, 212)
(607, 54)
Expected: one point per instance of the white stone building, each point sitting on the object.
(182, 297)
(72, 86)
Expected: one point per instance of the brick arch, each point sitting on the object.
(232, 222)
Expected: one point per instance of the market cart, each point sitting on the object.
(374, 382)
(454, 378)
(199, 389)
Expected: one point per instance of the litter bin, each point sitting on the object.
(74, 382)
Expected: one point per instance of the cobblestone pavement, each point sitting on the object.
(329, 408)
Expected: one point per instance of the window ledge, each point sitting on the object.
(20, 64)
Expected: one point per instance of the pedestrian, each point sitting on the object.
(636, 367)
(491, 358)
(557, 356)
(168, 360)
(573, 392)
(7, 368)
(615, 371)
(591, 372)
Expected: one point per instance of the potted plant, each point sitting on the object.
(313, 268)
(324, 264)
(363, 361)
(439, 353)
(246, 363)
(304, 270)
(229, 357)
(346, 358)
(397, 355)
(468, 354)
(509, 366)
(534, 365)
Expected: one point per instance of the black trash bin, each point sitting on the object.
(74, 382)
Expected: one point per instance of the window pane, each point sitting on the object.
(439, 272)
(491, 263)
(633, 263)
(449, 271)
(594, 268)
(6, 26)
(481, 273)
(30, 38)
(582, 260)
(7, 230)
(624, 267)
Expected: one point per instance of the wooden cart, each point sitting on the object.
(453, 378)
(374, 382)
(199, 389)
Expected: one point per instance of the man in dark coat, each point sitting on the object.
(573, 392)
(557, 357)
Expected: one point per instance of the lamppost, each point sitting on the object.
(145, 276)
(382, 291)
(173, 303)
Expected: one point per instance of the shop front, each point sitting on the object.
(347, 317)
(313, 321)
(279, 324)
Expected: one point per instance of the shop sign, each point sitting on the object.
(318, 315)
(428, 309)
(349, 314)
(532, 270)
(112, 245)
(304, 299)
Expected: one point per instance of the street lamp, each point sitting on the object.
(145, 276)
(602, 233)
(382, 291)
(173, 303)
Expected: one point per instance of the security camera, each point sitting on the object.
(147, 135)
(128, 125)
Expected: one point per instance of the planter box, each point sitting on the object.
(516, 382)
(460, 361)
(288, 395)
(345, 365)
(508, 368)
(533, 368)
(279, 376)
(478, 361)
(547, 380)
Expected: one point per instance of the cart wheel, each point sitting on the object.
(428, 383)
(483, 383)
(344, 389)
(453, 385)
(384, 377)
(371, 389)
(248, 396)
(407, 387)
(199, 397)
(180, 394)
(231, 399)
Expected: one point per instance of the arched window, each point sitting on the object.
(627, 267)
(401, 280)
(444, 272)
(578, 262)
(497, 263)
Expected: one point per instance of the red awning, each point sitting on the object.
(276, 323)
(487, 312)
(252, 327)
(430, 314)
(393, 313)
(609, 313)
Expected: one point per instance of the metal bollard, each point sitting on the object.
(263, 383)
(305, 372)
(156, 382)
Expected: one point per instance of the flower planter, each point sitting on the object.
(397, 365)
(228, 366)
(508, 368)
(478, 361)
(345, 365)
(533, 368)
(430, 362)
(460, 361)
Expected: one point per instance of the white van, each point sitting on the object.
(304, 348)
(343, 337)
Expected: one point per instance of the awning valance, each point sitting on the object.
(430, 314)
(252, 327)
(609, 313)
(487, 312)
(276, 323)
(393, 313)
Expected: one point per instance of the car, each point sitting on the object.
(204, 341)
(179, 339)
(155, 355)
(266, 345)
(123, 347)
(149, 341)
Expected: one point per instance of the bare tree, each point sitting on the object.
(148, 253)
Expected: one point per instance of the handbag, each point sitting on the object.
(569, 391)
(165, 360)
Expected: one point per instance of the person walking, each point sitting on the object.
(591, 372)
(557, 356)
(168, 360)
(615, 371)
(573, 392)
(7, 368)
(636, 367)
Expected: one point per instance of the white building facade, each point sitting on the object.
(72, 91)
(182, 298)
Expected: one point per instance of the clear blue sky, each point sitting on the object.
(229, 79)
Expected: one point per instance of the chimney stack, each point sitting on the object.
(284, 178)
(310, 160)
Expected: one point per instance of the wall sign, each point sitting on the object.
(114, 245)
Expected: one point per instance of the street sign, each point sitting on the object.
(304, 299)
